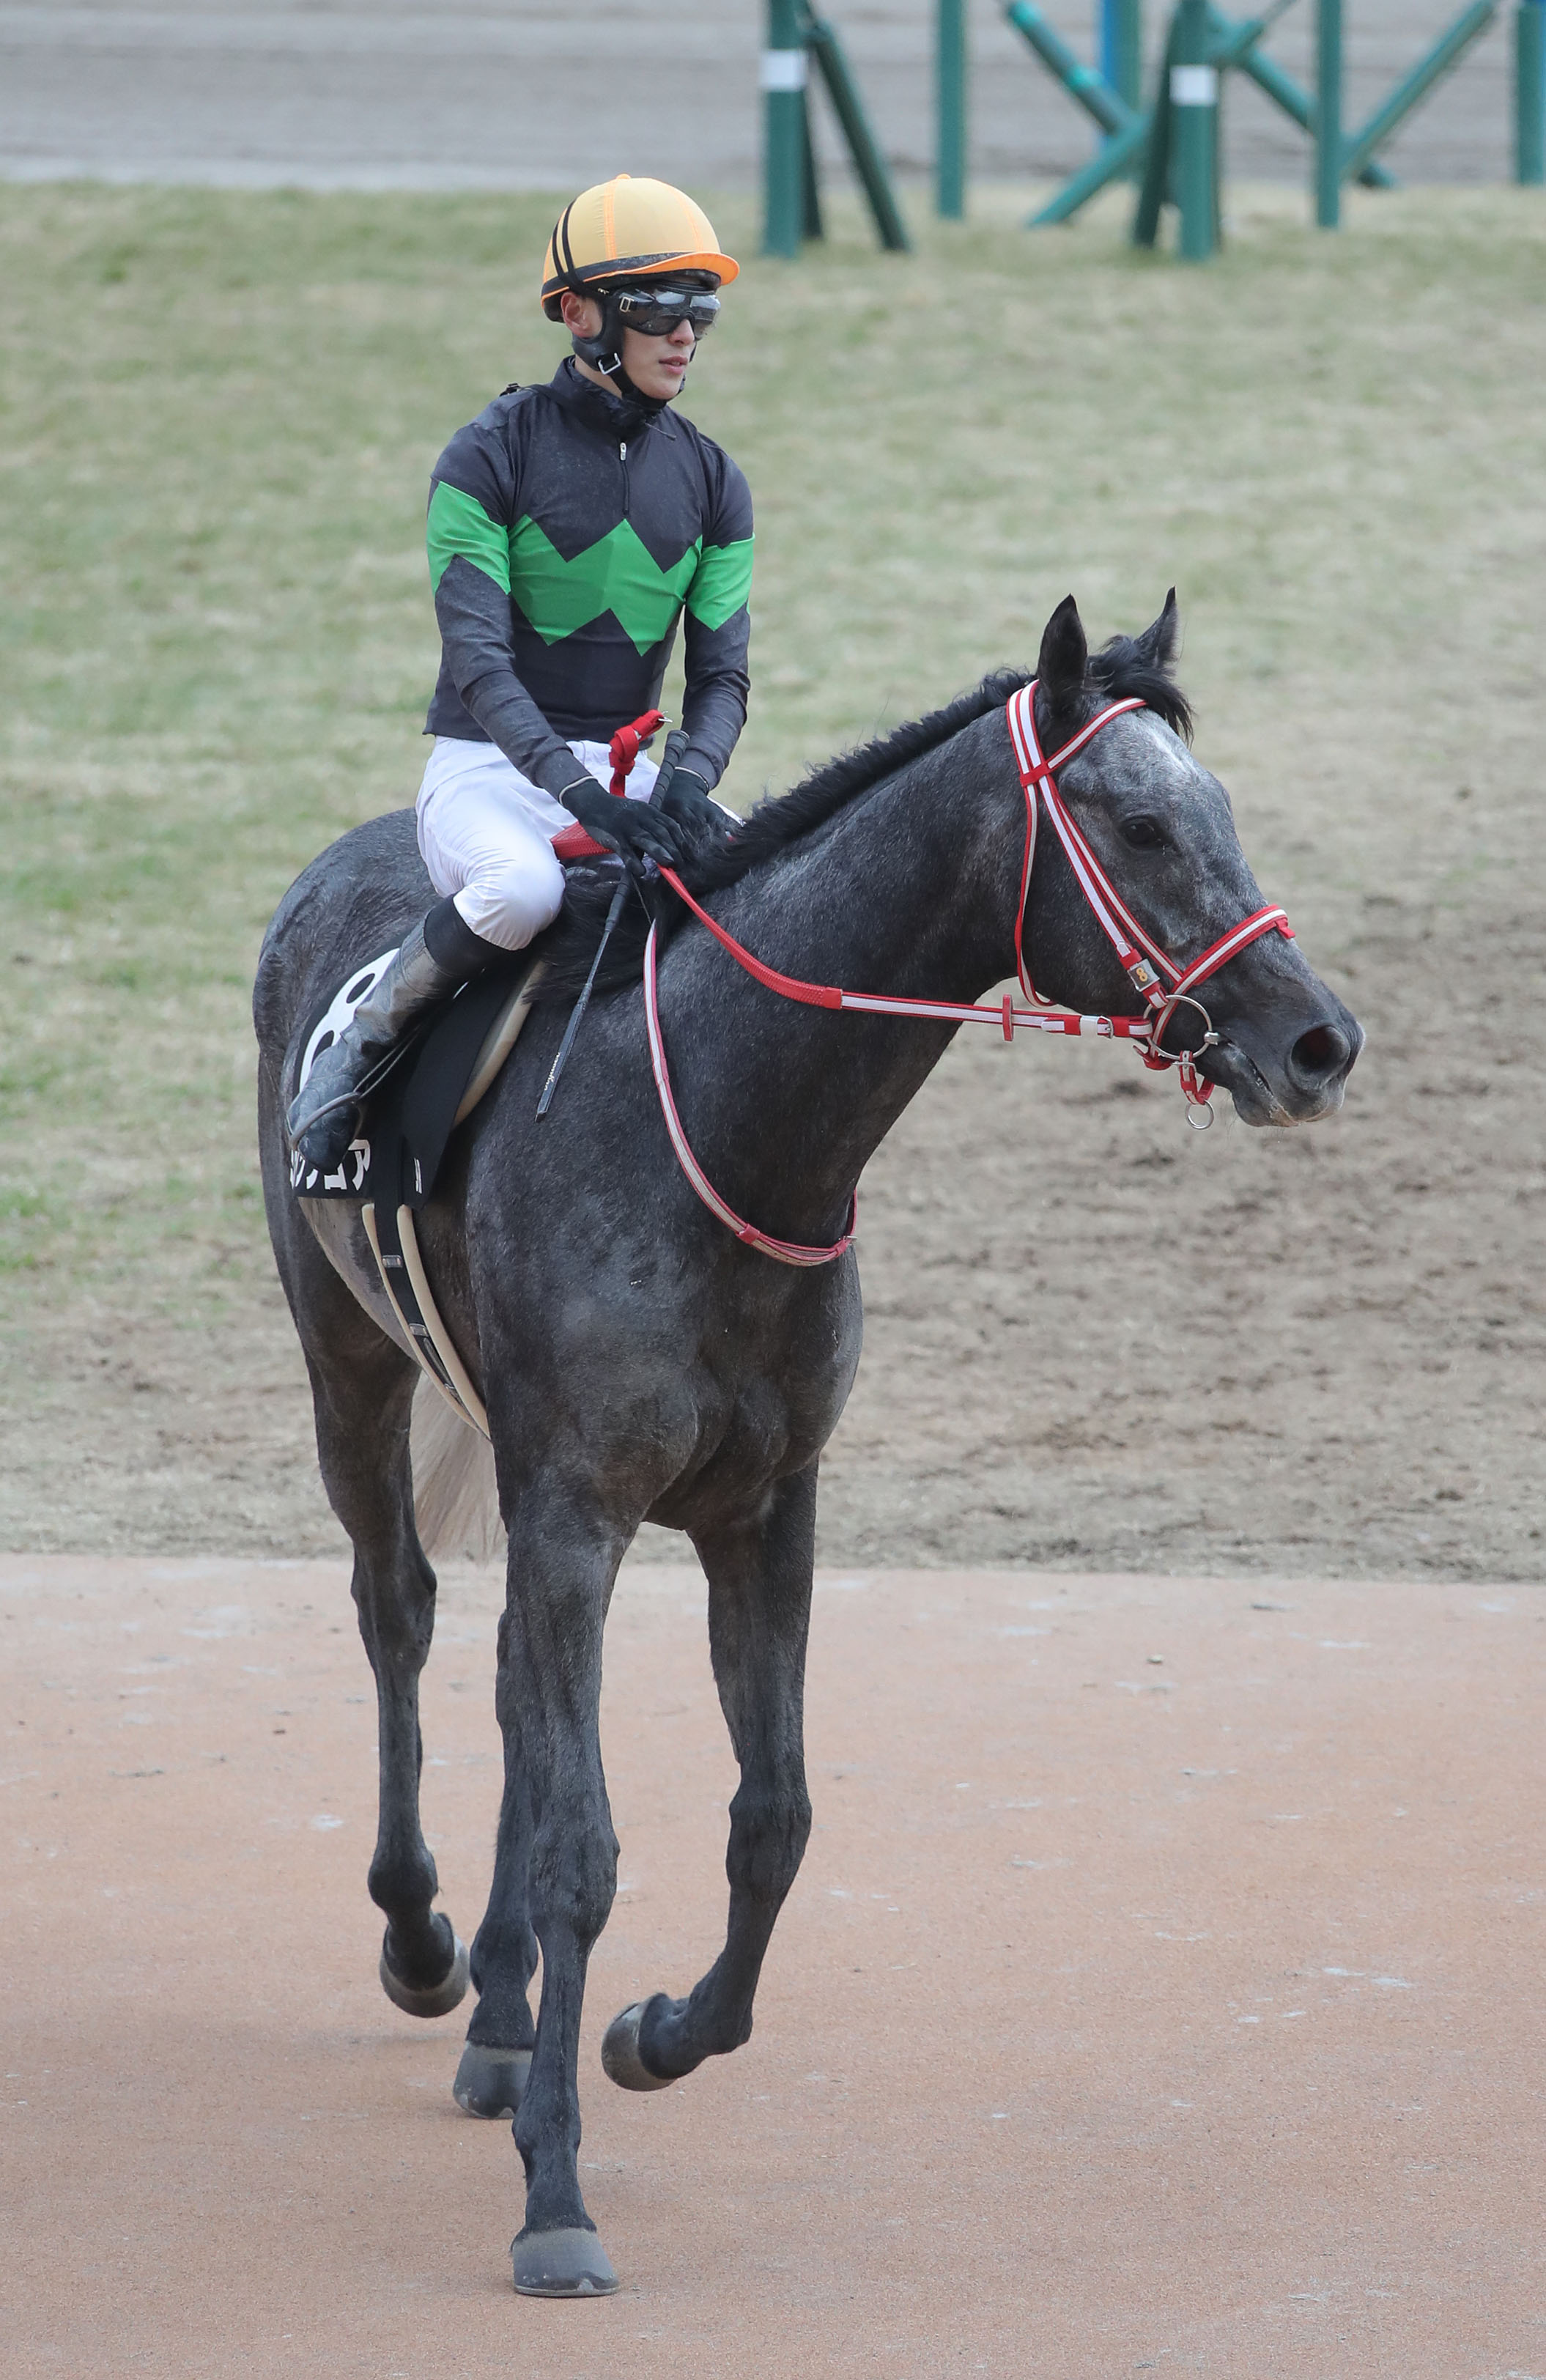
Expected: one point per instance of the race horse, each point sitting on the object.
(639, 1360)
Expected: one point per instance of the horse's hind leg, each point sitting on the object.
(362, 1442)
(758, 1618)
(497, 2059)
(362, 1389)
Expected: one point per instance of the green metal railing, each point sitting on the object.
(1413, 88)
(1228, 45)
(1296, 103)
(792, 198)
(863, 147)
(1087, 85)
(1182, 125)
(1232, 44)
(1172, 145)
(1340, 157)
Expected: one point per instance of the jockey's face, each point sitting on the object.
(656, 367)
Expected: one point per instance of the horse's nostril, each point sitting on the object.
(1320, 1056)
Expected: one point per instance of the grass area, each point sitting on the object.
(218, 413)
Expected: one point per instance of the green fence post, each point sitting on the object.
(1194, 105)
(1154, 179)
(1328, 115)
(1529, 92)
(784, 132)
(1122, 48)
(950, 93)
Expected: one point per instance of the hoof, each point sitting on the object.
(561, 2264)
(440, 1999)
(620, 2054)
(490, 2082)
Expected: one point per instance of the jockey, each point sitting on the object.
(569, 528)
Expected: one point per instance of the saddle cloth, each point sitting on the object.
(438, 1074)
(434, 1080)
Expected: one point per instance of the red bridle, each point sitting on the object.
(1163, 985)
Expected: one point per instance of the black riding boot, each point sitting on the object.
(437, 956)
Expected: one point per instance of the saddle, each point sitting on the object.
(435, 1077)
(428, 1086)
(430, 1082)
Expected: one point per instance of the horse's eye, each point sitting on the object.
(1141, 834)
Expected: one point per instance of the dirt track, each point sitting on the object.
(1159, 1993)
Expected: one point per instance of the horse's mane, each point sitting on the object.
(1121, 669)
(780, 819)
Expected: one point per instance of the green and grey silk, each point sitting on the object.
(571, 533)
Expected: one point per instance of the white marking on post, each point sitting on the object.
(782, 70)
(1194, 87)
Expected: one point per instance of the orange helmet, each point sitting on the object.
(629, 230)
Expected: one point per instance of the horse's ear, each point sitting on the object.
(1064, 655)
(1161, 642)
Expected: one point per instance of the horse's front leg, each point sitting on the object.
(362, 1389)
(562, 1560)
(758, 1618)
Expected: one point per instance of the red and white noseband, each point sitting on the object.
(1161, 984)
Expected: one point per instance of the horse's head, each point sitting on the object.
(1161, 828)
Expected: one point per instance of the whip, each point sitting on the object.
(675, 745)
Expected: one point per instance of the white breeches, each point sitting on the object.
(486, 835)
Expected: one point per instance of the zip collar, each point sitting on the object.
(619, 420)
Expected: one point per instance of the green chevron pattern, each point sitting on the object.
(616, 575)
(458, 525)
(722, 583)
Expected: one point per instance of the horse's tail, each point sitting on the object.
(456, 1500)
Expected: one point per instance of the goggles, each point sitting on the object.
(657, 311)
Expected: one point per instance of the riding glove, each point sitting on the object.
(634, 830)
(686, 800)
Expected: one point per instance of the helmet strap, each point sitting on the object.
(605, 352)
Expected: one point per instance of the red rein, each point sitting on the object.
(1163, 986)
(623, 751)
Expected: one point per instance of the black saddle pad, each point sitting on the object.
(396, 1156)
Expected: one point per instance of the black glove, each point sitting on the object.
(686, 800)
(632, 830)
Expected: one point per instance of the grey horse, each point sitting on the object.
(640, 1362)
